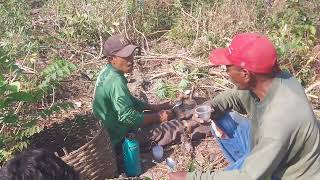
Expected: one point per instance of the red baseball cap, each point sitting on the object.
(251, 51)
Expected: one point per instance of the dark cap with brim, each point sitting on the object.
(118, 45)
(126, 51)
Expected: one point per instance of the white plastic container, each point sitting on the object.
(203, 112)
(157, 152)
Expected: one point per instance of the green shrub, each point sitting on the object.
(182, 35)
(150, 17)
(293, 31)
(16, 28)
(16, 93)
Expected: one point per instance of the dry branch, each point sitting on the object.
(312, 86)
(159, 75)
(145, 39)
(151, 55)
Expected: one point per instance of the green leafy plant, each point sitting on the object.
(164, 90)
(55, 72)
(184, 84)
(14, 94)
(188, 76)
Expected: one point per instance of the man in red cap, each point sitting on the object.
(284, 137)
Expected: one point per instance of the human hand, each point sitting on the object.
(180, 175)
(166, 115)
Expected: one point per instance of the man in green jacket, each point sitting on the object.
(285, 135)
(113, 103)
(120, 112)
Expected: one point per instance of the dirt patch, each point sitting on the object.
(207, 156)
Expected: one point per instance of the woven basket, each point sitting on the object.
(91, 159)
(83, 144)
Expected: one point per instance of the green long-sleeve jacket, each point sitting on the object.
(114, 104)
(285, 134)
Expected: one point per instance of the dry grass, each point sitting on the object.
(233, 16)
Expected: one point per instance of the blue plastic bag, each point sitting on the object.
(238, 146)
(131, 157)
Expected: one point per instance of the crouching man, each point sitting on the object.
(282, 138)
